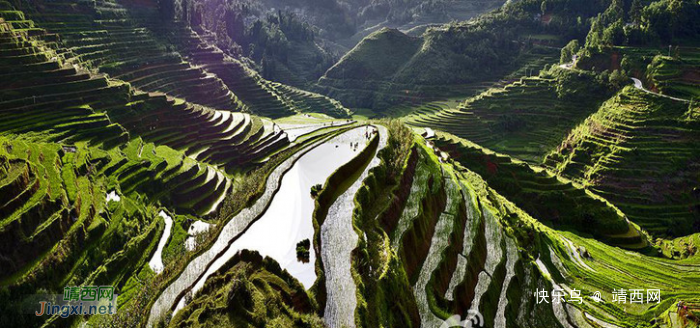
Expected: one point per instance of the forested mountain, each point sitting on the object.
(461, 54)
(296, 41)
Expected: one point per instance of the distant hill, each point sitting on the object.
(397, 48)
(451, 57)
(295, 42)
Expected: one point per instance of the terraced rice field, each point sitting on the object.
(642, 148)
(535, 190)
(258, 95)
(525, 119)
(469, 264)
(101, 35)
(338, 240)
(675, 74)
(227, 244)
(88, 160)
(481, 268)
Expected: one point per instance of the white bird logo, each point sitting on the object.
(473, 319)
(596, 297)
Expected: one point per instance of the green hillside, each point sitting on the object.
(358, 64)
(526, 119)
(634, 149)
(455, 56)
(251, 289)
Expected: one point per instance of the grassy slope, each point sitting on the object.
(249, 291)
(377, 57)
(606, 268)
(525, 119)
(542, 194)
(638, 151)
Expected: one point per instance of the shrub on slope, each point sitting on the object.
(250, 291)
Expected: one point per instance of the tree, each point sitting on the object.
(671, 19)
(315, 190)
(196, 17)
(615, 12)
(614, 34)
(166, 9)
(636, 12)
(617, 79)
(568, 51)
(595, 35)
(625, 63)
(235, 26)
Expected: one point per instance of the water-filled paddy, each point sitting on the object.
(156, 262)
(286, 221)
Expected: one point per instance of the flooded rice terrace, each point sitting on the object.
(287, 220)
(156, 262)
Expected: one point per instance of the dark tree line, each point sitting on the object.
(492, 43)
(244, 28)
(632, 23)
